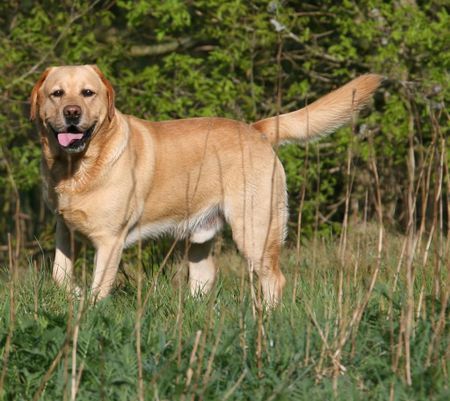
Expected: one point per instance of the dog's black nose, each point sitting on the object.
(72, 113)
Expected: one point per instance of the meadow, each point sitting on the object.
(363, 317)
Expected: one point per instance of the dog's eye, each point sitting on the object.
(87, 93)
(58, 93)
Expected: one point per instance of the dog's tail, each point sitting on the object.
(324, 115)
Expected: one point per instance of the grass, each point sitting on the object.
(349, 328)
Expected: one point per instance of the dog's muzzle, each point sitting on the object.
(73, 139)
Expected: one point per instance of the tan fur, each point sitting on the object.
(324, 115)
(138, 179)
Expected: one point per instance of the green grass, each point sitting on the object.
(296, 352)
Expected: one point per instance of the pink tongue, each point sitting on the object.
(66, 138)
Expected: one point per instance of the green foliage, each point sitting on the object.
(177, 59)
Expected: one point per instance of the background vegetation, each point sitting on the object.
(381, 182)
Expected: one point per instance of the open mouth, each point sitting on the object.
(73, 138)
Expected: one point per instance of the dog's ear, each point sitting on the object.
(109, 91)
(34, 98)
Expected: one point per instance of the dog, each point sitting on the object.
(118, 179)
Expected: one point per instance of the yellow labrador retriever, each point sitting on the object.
(117, 179)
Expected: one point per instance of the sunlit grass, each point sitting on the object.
(208, 348)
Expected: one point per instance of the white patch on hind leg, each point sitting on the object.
(205, 234)
(206, 227)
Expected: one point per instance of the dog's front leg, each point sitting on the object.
(64, 255)
(107, 259)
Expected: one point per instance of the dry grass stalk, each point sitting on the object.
(35, 291)
(231, 391)
(201, 354)
(408, 322)
(12, 313)
(209, 366)
(308, 344)
(192, 359)
(300, 221)
(438, 292)
(360, 235)
(70, 328)
(51, 369)
(353, 324)
(152, 288)
(317, 211)
(179, 328)
(326, 350)
(349, 178)
(242, 325)
(17, 213)
(76, 376)
(260, 331)
(138, 325)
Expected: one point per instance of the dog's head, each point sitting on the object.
(72, 103)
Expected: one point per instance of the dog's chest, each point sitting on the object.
(76, 212)
(82, 213)
(104, 210)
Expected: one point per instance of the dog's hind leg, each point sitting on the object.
(263, 260)
(257, 215)
(202, 272)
